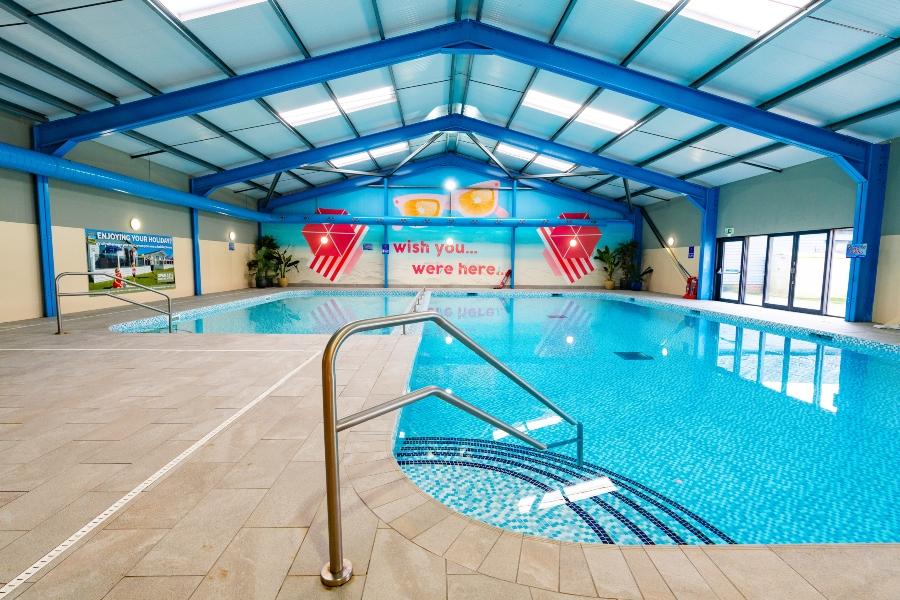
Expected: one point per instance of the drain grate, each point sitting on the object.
(557, 316)
(633, 355)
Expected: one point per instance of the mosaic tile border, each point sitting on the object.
(157, 322)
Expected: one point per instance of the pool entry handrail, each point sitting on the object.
(167, 312)
(338, 570)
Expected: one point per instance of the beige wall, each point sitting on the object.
(887, 290)
(75, 207)
(666, 278)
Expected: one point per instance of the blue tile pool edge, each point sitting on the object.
(160, 321)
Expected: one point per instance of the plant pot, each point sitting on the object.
(609, 284)
(623, 284)
(251, 281)
(637, 285)
(261, 282)
(282, 282)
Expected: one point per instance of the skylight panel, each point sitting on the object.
(566, 109)
(750, 18)
(540, 159)
(351, 104)
(351, 159)
(194, 9)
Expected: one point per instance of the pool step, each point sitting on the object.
(604, 506)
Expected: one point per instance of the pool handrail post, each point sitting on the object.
(332, 425)
(167, 312)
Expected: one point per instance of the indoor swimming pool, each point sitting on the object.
(308, 311)
(695, 431)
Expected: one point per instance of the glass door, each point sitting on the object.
(795, 271)
(732, 259)
(779, 271)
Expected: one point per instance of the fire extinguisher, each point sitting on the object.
(690, 290)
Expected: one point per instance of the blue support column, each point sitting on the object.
(195, 248)
(385, 239)
(45, 243)
(867, 220)
(512, 234)
(709, 216)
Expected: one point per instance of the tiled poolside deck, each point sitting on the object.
(86, 417)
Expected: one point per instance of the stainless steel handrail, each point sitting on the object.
(338, 571)
(59, 294)
(414, 305)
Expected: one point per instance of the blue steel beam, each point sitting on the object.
(449, 160)
(203, 185)
(709, 217)
(50, 167)
(464, 37)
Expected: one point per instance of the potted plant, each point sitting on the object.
(637, 284)
(610, 261)
(262, 266)
(284, 262)
(626, 252)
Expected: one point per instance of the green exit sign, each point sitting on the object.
(729, 231)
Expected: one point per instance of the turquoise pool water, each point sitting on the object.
(309, 311)
(700, 432)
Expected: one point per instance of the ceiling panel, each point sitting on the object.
(534, 19)
(729, 175)
(329, 25)
(405, 16)
(608, 29)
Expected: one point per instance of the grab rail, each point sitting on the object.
(59, 294)
(338, 570)
(414, 306)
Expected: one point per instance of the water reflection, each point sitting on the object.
(800, 369)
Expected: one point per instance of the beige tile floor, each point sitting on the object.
(87, 416)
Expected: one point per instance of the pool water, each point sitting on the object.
(309, 312)
(695, 431)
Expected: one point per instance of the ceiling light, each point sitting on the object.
(670, 241)
(194, 9)
(350, 104)
(553, 163)
(566, 109)
(350, 159)
(526, 155)
(745, 17)
(450, 184)
(135, 224)
(232, 235)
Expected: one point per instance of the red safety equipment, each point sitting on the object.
(690, 290)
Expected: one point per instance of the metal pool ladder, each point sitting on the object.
(167, 312)
(338, 570)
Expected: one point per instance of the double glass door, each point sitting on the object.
(806, 271)
(795, 271)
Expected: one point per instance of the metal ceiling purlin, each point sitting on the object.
(633, 54)
(295, 37)
(721, 67)
(842, 69)
(62, 37)
(453, 161)
(465, 37)
(206, 183)
(377, 13)
(179, 27)
(21, 111)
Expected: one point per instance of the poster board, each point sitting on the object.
(146, 258)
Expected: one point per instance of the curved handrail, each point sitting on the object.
(59, 294)
(343, 569)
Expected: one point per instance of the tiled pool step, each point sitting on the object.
(609, 505)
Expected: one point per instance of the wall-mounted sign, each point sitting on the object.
(690, 252)
(385, 248)
(145, 258)
(729, 231)
(368, 247)
(856, 250)
(231, 246)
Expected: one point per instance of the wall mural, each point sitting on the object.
(446, 255)
(336, 248)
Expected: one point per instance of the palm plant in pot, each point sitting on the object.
(262, 267)
(610, 261)
(626, 252)
(284, 262)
